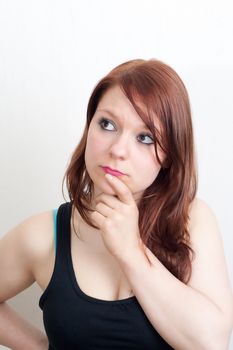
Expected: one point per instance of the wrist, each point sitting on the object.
(133, 257)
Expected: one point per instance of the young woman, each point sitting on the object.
(134, 260)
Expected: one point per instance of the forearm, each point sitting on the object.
(185, 318)
(18, 334)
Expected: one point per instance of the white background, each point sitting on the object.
(53, 52)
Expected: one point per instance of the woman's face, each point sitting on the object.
(117, 139)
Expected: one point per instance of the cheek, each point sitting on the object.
(94, 150)
(94, 144)
(151, 168)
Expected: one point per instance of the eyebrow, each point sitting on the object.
(142, 125)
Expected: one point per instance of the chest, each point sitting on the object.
(97, 273)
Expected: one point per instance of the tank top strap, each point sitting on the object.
(62, 227)
(55, 228)
(61, 217)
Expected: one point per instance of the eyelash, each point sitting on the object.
(102, 120)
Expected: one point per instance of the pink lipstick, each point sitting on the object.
(111, 171)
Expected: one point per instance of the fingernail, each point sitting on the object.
(109, 176)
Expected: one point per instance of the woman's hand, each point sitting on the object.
(117, 218)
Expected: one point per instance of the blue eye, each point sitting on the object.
(103, 122)
(147, 135)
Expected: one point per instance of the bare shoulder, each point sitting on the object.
(209, 268)
(34, 234)
(200, 210)
(38, 232)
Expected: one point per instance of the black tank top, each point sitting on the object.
(75, 321)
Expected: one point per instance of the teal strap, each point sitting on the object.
(55, 227)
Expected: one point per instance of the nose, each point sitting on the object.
(120, 147)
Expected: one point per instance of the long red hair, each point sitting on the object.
(157, 93)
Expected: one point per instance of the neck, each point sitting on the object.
(90, 236)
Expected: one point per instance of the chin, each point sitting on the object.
(101, 186)
(106, 188)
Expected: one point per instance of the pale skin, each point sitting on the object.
(195, 316)
(117, 137)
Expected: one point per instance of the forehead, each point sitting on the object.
(115, 103)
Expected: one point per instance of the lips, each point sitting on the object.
(111, 171)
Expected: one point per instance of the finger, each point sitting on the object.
(97, 218)
(103, 209)
(111, 201)
(123, 192)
